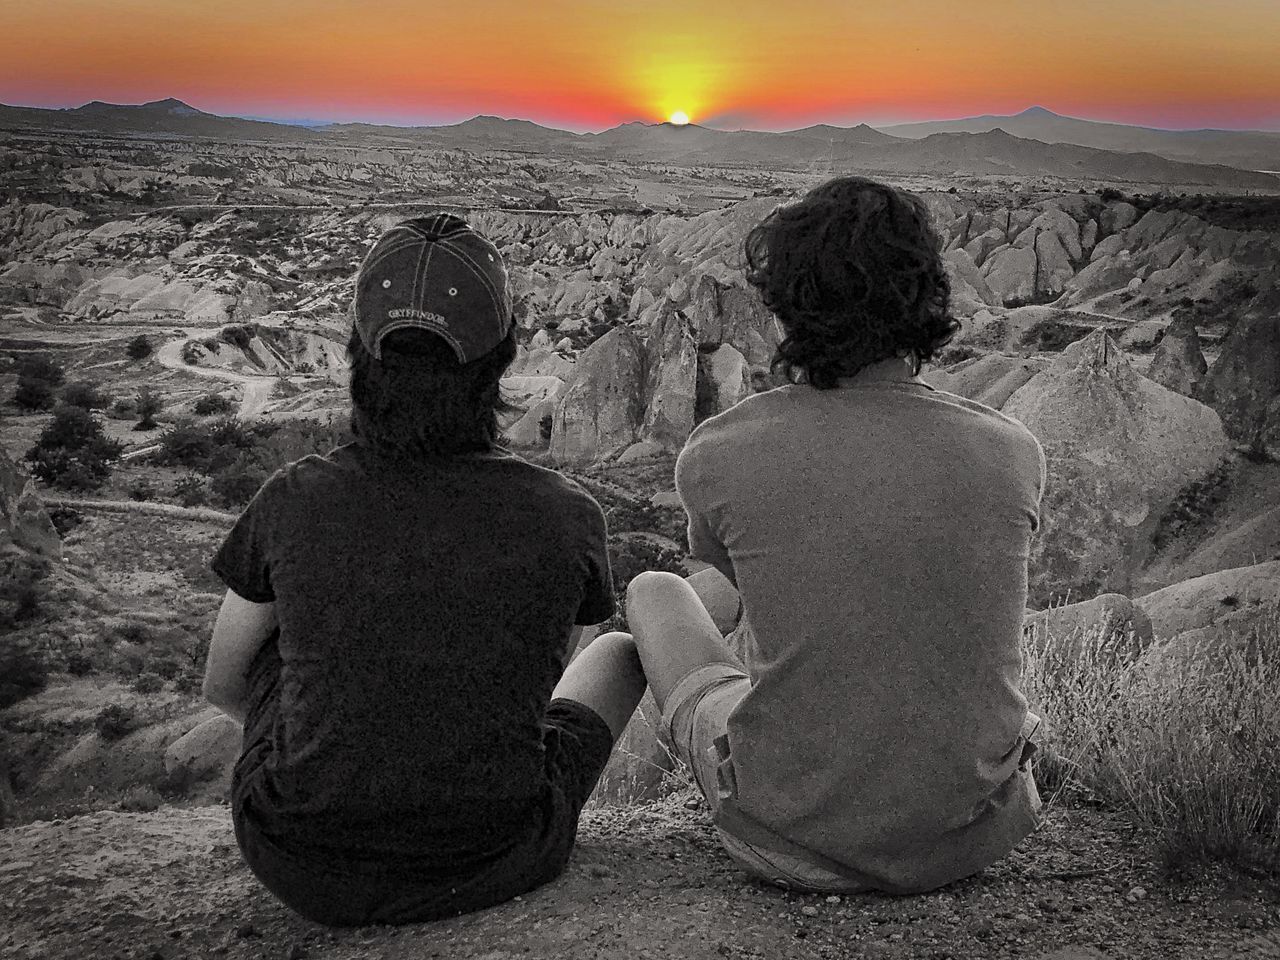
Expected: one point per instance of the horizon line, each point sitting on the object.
(319, 124)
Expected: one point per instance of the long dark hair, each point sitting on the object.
(419, 401)
(853, 270)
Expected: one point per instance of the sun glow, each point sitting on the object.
(679, 118)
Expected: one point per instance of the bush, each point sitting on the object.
(65, 519)
(22, 672)
(23, 589)
(627, 559)
(140, 798)
(191, 352)
(148, 682)
(191, 491)
(116, 720)
(237, 482)
(142, 490)
(85, 394)
(204, 446)
(79, 663)
(73, 452)
(139, 347)
(124, 408)
(212, 403)
(1190, 748)
(149, 404)
(33, 394)
(40, 367)
(238, 335)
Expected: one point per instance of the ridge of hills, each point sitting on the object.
(1040, 143)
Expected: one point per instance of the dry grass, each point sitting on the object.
(1190, 748)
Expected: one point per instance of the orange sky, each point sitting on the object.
(762, 64)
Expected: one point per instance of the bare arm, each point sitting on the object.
(241, 629)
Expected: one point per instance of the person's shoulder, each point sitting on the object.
(733, 426)
(536, 481)
(1010, 429)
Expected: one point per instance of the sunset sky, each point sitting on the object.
(590, 64)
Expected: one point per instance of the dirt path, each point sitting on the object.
(645, 882)
(257, 389)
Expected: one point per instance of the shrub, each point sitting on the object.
(33, 394)
(237, 482)
(37, 366)
(22, 672)
(1190, 747)
(148, 682)
(149, 404)
(142, 490)
(84, 393)
(65, 519)
(212, 403)
(191, 491)
(73, 452)
(116, 720)
(79, 663)
(22, 588)
(1110, 195)
(124, 408)
(238, 335)
(204, 446)
(140, 798)
(627, 559)
(139, 347)
(191, 352)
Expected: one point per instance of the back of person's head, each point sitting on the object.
(432, 335)
(853, 272)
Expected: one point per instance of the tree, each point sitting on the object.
(38, 378)
(72, 450)
(84, 393)
(149, 404)
(139, 347)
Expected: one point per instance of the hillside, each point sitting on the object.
(1246, 149)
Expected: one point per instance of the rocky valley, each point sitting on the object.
(187, 291)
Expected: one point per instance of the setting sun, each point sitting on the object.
(679, 118)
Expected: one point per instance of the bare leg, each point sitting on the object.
(719, 596)
(605, 676)
(673, 631)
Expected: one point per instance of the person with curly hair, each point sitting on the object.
(862, 728)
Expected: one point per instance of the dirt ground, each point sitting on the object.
(646, 881)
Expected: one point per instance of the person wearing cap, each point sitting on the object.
(863, 729)
(398, 619)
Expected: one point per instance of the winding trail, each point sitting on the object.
(257, 389)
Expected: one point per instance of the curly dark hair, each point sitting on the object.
(853, 271)
(419, 401)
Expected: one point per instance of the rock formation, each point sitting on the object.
(602, 404)
(671, 359)
(1178, 363)
(24, 524)
(1245, 379)
(1119, 449)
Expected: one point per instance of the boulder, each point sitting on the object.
(207, 751)
(1178, 363)
(643, 450)
(1245, 379)
(1119, 450)
(602, 404)
(1118, 216)
(1198, 622)
(24, 524)
(671, 359)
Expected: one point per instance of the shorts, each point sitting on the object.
(577, 744)
(695, 723)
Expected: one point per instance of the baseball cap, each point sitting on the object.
(434, 273)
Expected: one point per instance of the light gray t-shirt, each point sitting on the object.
(879, 536)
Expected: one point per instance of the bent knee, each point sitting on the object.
(653, 583)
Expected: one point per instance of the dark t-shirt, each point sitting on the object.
(425, 611)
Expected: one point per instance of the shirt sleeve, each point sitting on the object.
(704, 541)
(243, 562)
(597, 599)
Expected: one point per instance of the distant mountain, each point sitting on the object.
(1246, 149)
(821, 148)
(859, 134)
(168, 117)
